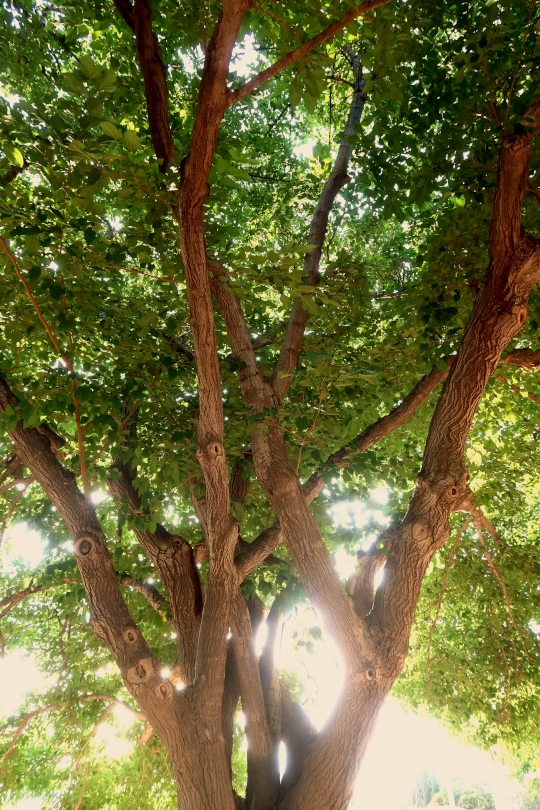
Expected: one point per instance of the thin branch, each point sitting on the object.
(9, 602)
(337, 179)
(28, 717)
(443, 587)
(65, 359)
(309, 432)
(150, 592)
(478, 524)
(13, 173)
(10, 511)
(299, 53)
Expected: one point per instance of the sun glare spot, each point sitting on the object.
(260, 638)
(22, 544)
(19, 675)
(282, 758)
(114, 747)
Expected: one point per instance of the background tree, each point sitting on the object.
(229, 340)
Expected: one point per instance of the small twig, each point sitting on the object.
(518, 62)
(478, 524)
(532, 188)
(31, 297)
(505, 708)
(310, 431)
(13, 504)
(133, 272)
(448, 565)
(9, 602)
(65, 359)
(121, 425)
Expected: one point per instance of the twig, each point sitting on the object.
(505, 708)
(27, 718)
(518, 61)
(448, 565)
(310, 431)
(9, 602)
(133, 272)
(14, 503)
(478, 524)
(65, 359)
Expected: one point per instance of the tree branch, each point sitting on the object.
(13, 173)
(478, 525)
(256, 392)
(150, 592)
(269, 671)
(298, 734)
(222, 530)
(28, 717)
(498, 315)
(441, 595)
(253, 554)
(231, 695)
(173, 559)
(111, 619)
(299, 53)
(263, 771)
(139, 19)
(292, 344)
(9, 602)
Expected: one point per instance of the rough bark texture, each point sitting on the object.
(195, 724)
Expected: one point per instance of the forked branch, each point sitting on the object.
(303, 50)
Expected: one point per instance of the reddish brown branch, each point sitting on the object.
(9, 602)
(302, 51)
(337, 179)
(441, 595)
(65, 359)
(139, 19)
(478, 524)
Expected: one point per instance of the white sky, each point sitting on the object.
(403, 744)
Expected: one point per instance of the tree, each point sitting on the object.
(184, 329)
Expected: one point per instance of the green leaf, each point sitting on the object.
(131, 139)
(295, 91)
(13, 154)
(32, 244)
(73, 83)
(90, 69)
(110, 130)
(106, 83)
(314, 358)
(311, 102)
(309, 305)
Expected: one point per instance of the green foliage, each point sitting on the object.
(90, 224)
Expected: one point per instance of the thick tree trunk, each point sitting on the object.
(373, 642)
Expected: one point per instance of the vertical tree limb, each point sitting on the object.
(173, 559)
(338, 177)
(263, 772)
(139, 19)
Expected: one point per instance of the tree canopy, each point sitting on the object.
(228, 338)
